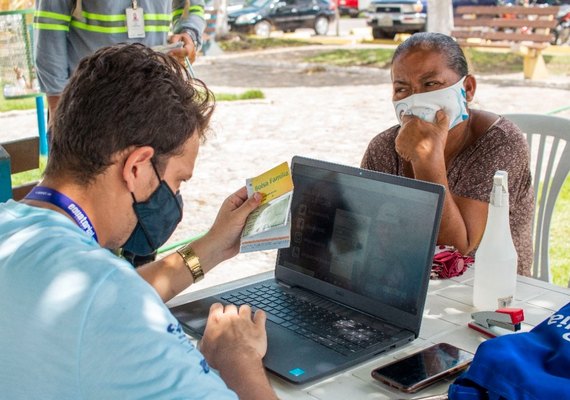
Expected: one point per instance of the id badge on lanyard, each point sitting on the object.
(135, 21)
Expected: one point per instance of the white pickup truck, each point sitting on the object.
(389, 17)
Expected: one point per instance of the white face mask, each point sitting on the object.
(452, 100)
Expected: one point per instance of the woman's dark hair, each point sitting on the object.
(439, 42)
(120, 97)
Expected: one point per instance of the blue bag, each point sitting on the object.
(532, 365)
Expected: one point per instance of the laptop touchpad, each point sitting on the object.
(194, 315)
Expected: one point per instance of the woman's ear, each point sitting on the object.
(470, 85)
(138, 166)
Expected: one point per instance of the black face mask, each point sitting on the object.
(157, 218)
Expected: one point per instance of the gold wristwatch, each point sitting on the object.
(192, 262)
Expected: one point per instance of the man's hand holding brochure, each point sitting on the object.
(269, 226)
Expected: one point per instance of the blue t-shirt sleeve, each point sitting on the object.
(131, 346)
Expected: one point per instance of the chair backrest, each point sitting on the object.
(549, 143)
(17, 156)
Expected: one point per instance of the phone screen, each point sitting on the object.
(424, 367)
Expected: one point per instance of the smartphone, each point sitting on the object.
(424, 367)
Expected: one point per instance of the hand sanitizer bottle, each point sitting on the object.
(496, 257)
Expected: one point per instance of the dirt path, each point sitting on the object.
(327, 113)
(330, 114)
(283, 68)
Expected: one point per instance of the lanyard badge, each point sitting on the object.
(135, 21)
(41, 193)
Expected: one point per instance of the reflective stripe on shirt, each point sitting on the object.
(116, 23)
(48, 20)
(194, 10)
(101, 23)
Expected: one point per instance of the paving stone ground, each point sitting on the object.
(326, 113)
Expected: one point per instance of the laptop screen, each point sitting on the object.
(369, 233)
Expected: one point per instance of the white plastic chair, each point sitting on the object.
(549, 142)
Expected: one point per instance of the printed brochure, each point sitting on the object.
(269, 225)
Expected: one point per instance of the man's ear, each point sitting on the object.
(137, 166)
(470, 85)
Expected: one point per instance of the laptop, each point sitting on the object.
(353, 282)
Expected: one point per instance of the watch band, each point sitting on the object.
(192, 262)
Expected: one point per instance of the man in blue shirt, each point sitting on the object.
(79, 322)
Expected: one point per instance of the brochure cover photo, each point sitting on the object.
(269, 226)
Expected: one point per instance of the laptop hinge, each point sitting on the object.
(281, 283)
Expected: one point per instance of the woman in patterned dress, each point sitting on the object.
(461, 148)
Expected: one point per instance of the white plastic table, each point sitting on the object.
(447, 311)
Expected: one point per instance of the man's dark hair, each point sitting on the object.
(120, 97)
(439, 42)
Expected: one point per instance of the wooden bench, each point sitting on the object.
(17, 156)
(525, 30)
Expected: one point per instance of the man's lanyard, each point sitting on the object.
(60, 200)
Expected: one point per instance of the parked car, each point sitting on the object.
(348, 7)
(353, 8)
(551, 2)
(389, 17)
(263, 16)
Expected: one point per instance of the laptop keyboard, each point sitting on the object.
(332, 330)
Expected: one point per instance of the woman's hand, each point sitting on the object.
(421, 141)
